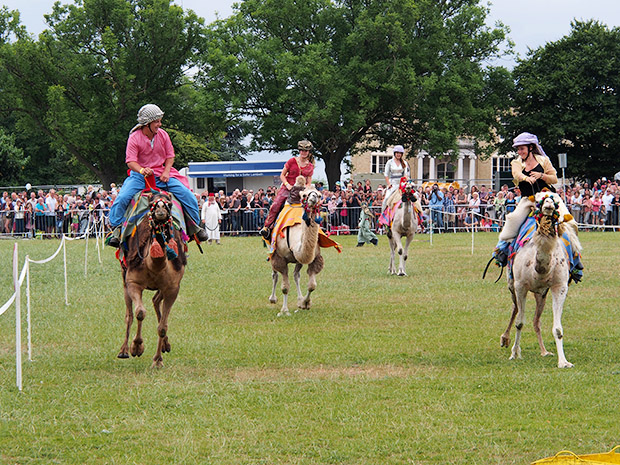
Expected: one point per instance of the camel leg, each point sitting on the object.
(285, 288)
(296, 278)
(540, 306)
(124, 352)
(135, 293)
(157, 300)
(504, 340)
(403, 255)
(314, 269)
(559, 295)
(393, 246)
(162, 328)
(272, 298)
(520, 295)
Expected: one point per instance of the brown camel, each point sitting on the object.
(151, 264)
(299, 246)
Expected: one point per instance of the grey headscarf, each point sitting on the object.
(147, 114)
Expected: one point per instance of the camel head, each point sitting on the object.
(311, 201)
(408, 191)
(161, 207)
(546, 212)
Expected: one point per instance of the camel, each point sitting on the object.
(301, 247)
(405, 224)
(155, 262)
(542, 265)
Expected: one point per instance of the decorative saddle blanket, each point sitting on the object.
(139, 207)
(526, 233)
(291, 215)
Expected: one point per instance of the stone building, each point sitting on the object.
(466, 168)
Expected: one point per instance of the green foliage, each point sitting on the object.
(567, 92)
(382, 370)
(340, 73)
(82, 82)
(12, 160)
(188, 148)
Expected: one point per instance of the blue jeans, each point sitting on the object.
(135, 183)
(437, 217)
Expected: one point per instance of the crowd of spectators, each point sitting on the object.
(446, 208)
(49, 214)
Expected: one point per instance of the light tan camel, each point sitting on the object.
(299, 246)
(405, 224)
(148, 267)
(541, 265)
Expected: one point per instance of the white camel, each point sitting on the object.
(405, 224)
(541, 265)
(299, 246)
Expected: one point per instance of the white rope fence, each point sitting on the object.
(18, 279)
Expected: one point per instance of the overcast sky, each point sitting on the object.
(532, 23)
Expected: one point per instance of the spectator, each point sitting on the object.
(435, 202)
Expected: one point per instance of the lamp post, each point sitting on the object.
(562, 163)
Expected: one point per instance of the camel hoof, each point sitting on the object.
(123, 355)
(402, 273)
(504, 341)
(137, 349)
(545, 354)
(284, 312)
(157, 364)
(273, 301)
(565, 364)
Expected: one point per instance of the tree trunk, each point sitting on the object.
(332, 167)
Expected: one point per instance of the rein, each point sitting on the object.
(164, 230)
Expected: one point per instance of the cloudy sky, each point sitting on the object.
(532, 23)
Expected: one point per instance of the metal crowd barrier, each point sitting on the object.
(247, 222)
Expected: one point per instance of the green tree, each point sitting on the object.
(568, 93)
(345, 73)
(82, 82)
(12, 160)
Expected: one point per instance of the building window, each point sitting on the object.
(445, 171)
(503, 163)
(200, 183)
(378, 163)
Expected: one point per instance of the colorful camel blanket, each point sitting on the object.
(387, 216)
(526, 233)
(138, 208)
(290, 216)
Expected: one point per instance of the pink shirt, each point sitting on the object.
(139, 150)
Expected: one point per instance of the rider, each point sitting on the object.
(149, 151)
(395, 169)
(532, 172)
(302, 165)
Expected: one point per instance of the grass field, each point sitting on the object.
(382, 369)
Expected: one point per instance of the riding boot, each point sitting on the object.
(374, 241)
(501, 252)
(360, 244)
(265, 232)
(113, 238)
(202, 235)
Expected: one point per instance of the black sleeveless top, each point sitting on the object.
(528, 189)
